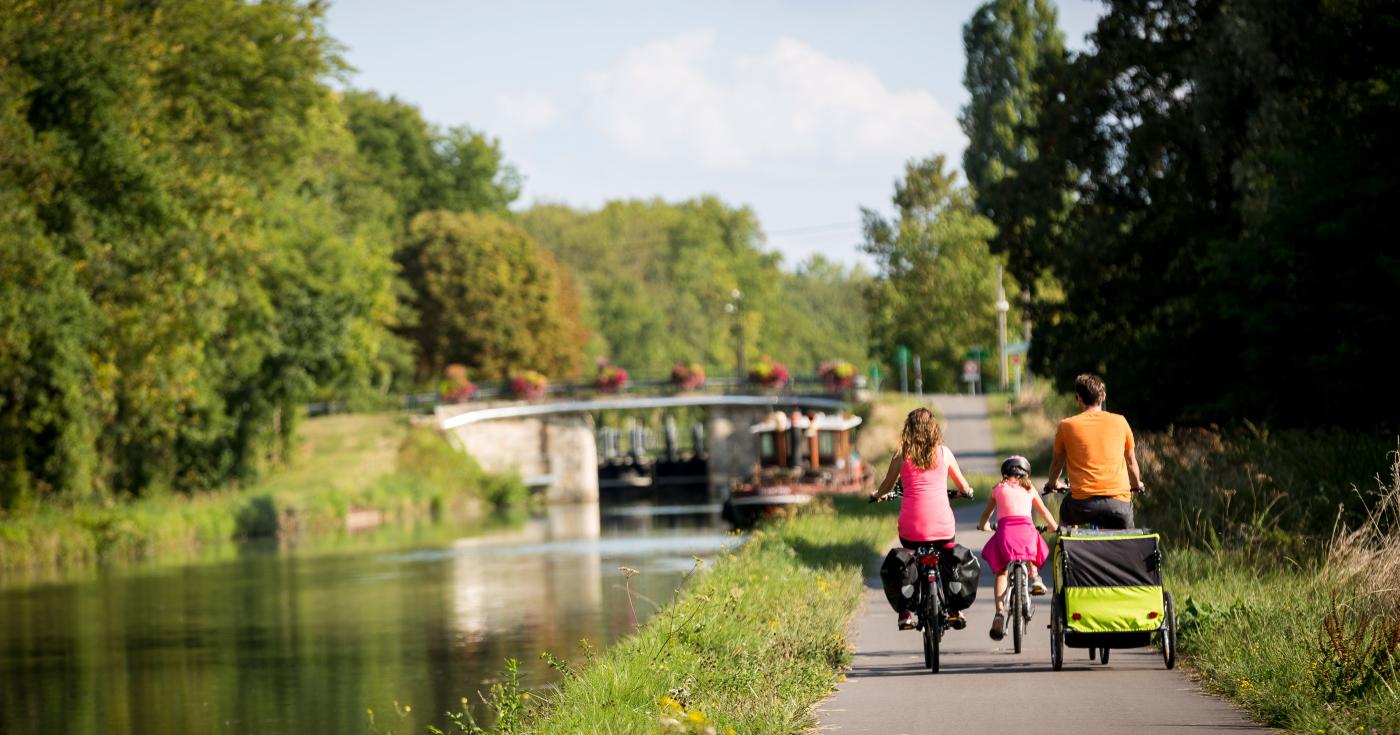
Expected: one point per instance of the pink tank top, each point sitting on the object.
(924, 514)
(1012, 500)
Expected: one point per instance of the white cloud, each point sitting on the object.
(686, 99)
(525, 112)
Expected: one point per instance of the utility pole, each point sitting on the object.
(1002, 307)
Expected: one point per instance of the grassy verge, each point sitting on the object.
(1284, 552)
(1298, 650)
(749, 646)
(1025, 425)
(372, 466)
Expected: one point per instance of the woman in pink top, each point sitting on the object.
(922, 466)
(1016, 538)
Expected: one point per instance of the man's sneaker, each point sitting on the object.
(906, 620)
(1037, 587)
(957, 621)
(998, 627)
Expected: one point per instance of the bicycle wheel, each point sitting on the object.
(1025, 595)
(1169, 631)
(1057, 635)
(933, 630)
(1013, 607)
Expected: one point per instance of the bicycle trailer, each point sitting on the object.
(1108, 594)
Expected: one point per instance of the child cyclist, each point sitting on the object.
(1016, 538)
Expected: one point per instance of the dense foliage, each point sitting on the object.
(487, 297)
(659, 282)
(1211, 190)
(197, 235)
(937, 291)
(189, 250)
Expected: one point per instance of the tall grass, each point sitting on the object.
(1310, 648)
(1260, 491)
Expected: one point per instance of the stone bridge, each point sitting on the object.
(553, 443)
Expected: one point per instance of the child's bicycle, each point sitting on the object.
(1019, 609)
(930, 607)
(1108, 594)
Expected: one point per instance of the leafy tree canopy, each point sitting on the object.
(936, 290)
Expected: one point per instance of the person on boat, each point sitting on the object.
(1013, 500)
(1096, 448)
(923, 465)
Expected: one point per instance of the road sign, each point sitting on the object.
(977, 353)
(1018, 348)
(1016, 359)
(971, 370)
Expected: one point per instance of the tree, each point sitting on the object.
(201, 254)
(657, 277)
(1006, 42)
(487, 297)
(423, 167)
(935, 289)
(1225, 166)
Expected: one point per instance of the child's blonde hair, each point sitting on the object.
(921, 436)
(1022, 480)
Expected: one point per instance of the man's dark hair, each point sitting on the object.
(1089, 388)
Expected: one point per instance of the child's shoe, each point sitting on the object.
(1037, 587)
(998, 627)
(906, 620)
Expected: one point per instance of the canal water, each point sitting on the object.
(306, 642)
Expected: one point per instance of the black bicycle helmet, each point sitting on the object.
(1016, 466)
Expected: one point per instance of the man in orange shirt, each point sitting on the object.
(1096, 447)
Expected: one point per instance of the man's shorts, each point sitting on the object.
(1101, 511)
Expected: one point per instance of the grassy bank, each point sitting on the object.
(366, 469)
(749, 646)
(1284, 551)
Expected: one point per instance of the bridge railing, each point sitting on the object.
(804, 385)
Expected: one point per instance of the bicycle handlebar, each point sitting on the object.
(1040, 527)
(898, 492)
(1063, 487)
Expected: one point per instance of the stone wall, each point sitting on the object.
(559, 446)
(733, 450)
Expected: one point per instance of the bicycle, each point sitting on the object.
(930, 607)
(1018, 608)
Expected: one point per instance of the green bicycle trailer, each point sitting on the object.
(1108, 594)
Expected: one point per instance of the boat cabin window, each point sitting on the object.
(768, 447)
(827, 445)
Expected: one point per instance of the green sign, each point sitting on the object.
(977, 353)
(901, 354)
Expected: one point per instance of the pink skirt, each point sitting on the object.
(1015, 540)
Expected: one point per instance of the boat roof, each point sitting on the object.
(819, 422)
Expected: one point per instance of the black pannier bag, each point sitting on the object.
(961, 572)
(958, 568)
(900, 576)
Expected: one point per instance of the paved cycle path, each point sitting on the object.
(982, 686)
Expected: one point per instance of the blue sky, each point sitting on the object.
(805, 111)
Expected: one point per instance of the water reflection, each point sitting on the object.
(294, 643)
